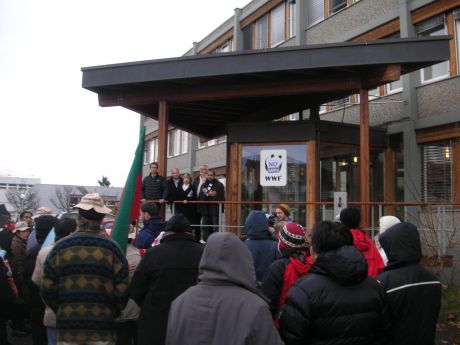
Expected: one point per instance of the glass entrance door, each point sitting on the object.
(293, 190)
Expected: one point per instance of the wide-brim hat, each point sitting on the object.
(21, 226)
(43, 211)
(93, 201)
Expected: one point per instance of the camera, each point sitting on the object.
(271, 219)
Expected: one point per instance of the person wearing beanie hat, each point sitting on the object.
(337, 302)
(260, 243)
(351, 218)
(86, 311)
(165, 271)
(385, 223)
(283, 212)
(294, 264)
(413, 293)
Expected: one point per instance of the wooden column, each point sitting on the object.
(312, 182)
(364, 154)
(163, 115)
(162, 145)
(232, 193)
(389, 181)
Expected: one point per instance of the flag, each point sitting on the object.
(128, 209)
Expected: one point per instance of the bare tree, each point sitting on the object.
(22, 199)
(63, 198)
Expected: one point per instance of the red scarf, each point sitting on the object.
(295, 269)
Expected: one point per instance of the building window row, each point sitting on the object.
(220, 140)
(177, 142)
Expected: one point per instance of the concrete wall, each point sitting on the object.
(214, 156)
(381, 111)
(353, 21)
(439, 98)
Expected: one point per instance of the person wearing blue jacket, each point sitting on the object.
(153, 225)
(263, 248)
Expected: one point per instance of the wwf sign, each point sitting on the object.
(273, 167)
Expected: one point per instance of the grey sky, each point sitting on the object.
(50, 127)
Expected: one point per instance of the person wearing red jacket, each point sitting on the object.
(351, 218)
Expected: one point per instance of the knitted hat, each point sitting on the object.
(292, 235)
(350, 217)
(387, 222)
(285, 208)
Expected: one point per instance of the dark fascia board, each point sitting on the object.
(415, 52)
(303, 130)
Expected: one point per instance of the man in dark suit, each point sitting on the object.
(211, 190)
(174, 186)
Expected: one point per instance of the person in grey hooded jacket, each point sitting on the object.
(226, 306)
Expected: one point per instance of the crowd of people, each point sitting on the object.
(277, 284)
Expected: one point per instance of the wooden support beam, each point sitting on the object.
(232, 211)
(364, 153)
(289, 88)
(312, 182)
(389, 190)
(163, 115)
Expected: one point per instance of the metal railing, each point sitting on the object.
(440, 216)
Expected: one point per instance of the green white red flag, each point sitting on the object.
(129, 207)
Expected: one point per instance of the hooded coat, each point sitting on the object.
(164, 273)
(226, 306)
(336, 303)
(413, 293)
(263, 248)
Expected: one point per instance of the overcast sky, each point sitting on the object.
(51, 128)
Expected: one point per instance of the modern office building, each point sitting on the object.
(419, 156)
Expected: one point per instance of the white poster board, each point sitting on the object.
(340, 202)
(273, 167)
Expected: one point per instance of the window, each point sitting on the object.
(224, 48)
(291, 19)
(374, 93)
(261, 35)
(212, 142)
(395, 86)
(177, 142)
(153, 150)
(315, 11)
(337, 5)
(457, 30)
(433, 27)
(340, 103)
(277, 28)
(247, 37)
(437, 171)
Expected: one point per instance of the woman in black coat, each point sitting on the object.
(186, 192)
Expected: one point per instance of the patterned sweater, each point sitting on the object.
(85, 282)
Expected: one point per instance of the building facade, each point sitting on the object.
(420, 113)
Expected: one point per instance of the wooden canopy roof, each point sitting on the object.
(205, 93)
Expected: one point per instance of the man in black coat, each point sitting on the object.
(174, 186)
(336, 303)
(211, 190)
(164, 273)
(154, 187)
(413, 293)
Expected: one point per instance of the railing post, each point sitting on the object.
(173, 208)
(220, 217)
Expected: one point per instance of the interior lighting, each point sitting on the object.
(355, 159)
(447, 152)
